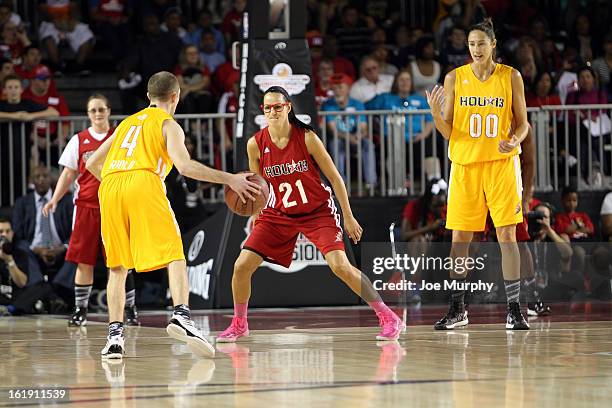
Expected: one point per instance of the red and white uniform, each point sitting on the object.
(299, 202)
(86, 239)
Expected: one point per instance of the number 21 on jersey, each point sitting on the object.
(287, 188)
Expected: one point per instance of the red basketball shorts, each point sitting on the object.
(274, 235)
(522, 233)
(86, 239)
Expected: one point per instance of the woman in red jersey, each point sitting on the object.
(288, 154)
(86, 239)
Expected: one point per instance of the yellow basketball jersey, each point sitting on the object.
(482, 116)
(139, 145)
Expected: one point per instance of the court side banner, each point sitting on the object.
(267, 63)
(203, 245)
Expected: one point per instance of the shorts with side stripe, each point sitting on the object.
(476, 188)
(274, 234)
(139, 229)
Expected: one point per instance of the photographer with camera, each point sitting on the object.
(423, 219)
(13, 268)
(21, 284)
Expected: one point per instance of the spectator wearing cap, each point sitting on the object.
(371, 82)
(110, 19)
(194, 80)
(173, 23)
(30, 64)
(39, 92)
(205, 21)
(64, 27)
(347, 132)
(315, 45)
(210, 56)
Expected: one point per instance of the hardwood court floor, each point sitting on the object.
(322, 357)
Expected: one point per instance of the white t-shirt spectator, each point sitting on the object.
(364, 90)
(606, 206)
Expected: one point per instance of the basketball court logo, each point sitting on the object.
(196, 246)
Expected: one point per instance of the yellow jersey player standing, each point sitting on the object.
(138, 225)
(481, 111)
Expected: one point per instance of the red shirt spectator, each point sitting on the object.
(415, 216)
(13, 41)
(220, 84)
(564, 221)
(30, 64)
(233, 21)
(40, 92)
(577, 225)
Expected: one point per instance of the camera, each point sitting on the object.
(533, 223)
(6, 246)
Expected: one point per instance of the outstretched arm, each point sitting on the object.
(326, 164)
(175, 141)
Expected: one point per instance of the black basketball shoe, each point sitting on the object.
(131, 316)
(515, 319)
(79, 317)
(457, 316)
(537, 309)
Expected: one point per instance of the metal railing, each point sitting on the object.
(567, 151)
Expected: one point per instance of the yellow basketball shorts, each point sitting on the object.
(478, 188)
(139, 229)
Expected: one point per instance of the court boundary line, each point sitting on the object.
(347, 384)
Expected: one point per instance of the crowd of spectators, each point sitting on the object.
(365, 56)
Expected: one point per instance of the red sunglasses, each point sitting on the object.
(278, 107)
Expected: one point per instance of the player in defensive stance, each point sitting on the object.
(138, 225)
(288, 154)
(475, 111)
(86, 241)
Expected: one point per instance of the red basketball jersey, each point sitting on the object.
(293, 176)
(86, 194)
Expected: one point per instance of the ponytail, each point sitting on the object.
(291, 116)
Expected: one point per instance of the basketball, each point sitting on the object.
(251, 207)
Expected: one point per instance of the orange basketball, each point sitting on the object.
(235, 204)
